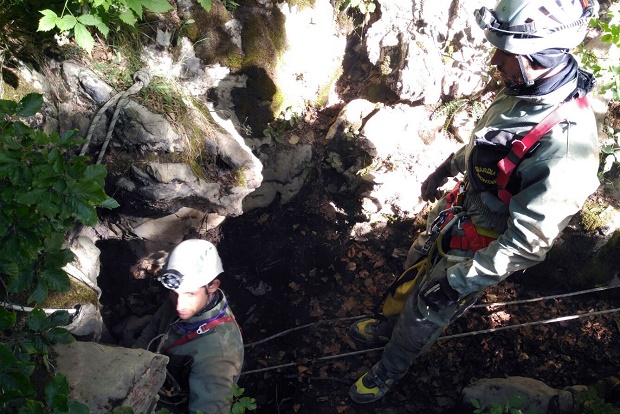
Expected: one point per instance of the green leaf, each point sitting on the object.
(39, 293)
(83, 37)
(103, 28)
(48, 207)
(36, 320)
(66, 22)
(237, 390)
(56, 160)
(28, 346)
(59, 336)
(248, 402)
(109, 203)
(7, 358)
(40, 345)
(96, 172)
(58, 318)
(21, 281)
(88, 190)
(48, 21)
(135, 6)
(7, 319)
(128, 17)
(17, 381)
(84, 212)
(29, 105)
(57, 280)
(10, 268)
(157, 6)
(206, 4)
(30, 197)
(32, 407)
(89, 20)
(76, 407)
(67, 137)
(57, 393)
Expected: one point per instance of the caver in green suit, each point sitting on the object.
(196, 329)
(548, 186)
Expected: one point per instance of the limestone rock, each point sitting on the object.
(534, 396)
(105, 377)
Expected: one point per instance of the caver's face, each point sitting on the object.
(508, 66)
(190, 303)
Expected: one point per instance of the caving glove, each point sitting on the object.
(439, 295)
(430, 186)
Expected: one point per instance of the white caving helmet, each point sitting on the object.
(524, 27)
(192, 264)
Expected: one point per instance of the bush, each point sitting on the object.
(44, 191)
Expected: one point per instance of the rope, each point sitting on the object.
(444, 338)
(141, 80)
(612, 285)
(297, 328)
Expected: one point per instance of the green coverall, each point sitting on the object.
(552, 184)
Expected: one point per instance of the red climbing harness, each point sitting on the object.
(472, 239)
(520, 147)
(204, 328)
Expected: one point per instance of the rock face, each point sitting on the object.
(525, 394)
(133, 382)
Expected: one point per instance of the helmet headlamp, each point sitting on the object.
(171, 279)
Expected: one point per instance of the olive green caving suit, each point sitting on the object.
(548, 187)
(207, 366)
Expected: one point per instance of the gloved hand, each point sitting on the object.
(439, 295)
(430, 186)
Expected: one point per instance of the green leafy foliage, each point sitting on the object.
(76, 17)
(286, 119)
(590, 402)
(474, 108)
(610, 152)
(239, 402)
(607, 71)
(509, 407)
(44, 191)
(25, 341)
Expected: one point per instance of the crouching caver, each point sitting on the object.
(196, 329)
(531, 163)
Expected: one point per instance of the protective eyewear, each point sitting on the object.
(171, 279)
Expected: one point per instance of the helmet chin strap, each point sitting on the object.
(526, 79)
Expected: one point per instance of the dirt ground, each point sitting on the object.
(303, 269)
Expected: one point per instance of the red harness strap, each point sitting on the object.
(472, 240)
(522, 146)
(201, 330)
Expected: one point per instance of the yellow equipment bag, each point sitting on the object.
(401, 288)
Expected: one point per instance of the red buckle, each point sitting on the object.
(472, 240)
